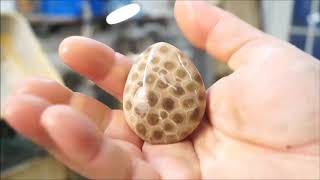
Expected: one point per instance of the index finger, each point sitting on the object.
(98, 62)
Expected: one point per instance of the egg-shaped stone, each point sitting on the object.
(164, 97)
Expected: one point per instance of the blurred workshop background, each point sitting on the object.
(31, 31)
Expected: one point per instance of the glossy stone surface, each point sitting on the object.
(164, 97)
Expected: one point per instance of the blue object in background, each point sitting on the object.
(69, 8)
(298, 40)
(98, 7)
(73, 8)
(301, 11)
(316, 47)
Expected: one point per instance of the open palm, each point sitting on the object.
(262, 121)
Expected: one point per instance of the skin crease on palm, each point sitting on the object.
(262, 121)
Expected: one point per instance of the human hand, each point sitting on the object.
(262, 121)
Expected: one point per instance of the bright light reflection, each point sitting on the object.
(123, 13)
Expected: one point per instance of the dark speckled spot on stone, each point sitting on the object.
(150, 78)
(152, 119)
(163, 49)
(155, 69)
(192, 86)
(157, 134)
(141, 129)
(162, 71)
(168, 104)
(169, 65)
(168, 127)
(195, 114)
(178, 118)
(188, 103)
(128, 105)
(163, 114)
(152, 98)
(155, 60)
(181, 73)
(177, 90)
(161, 84)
